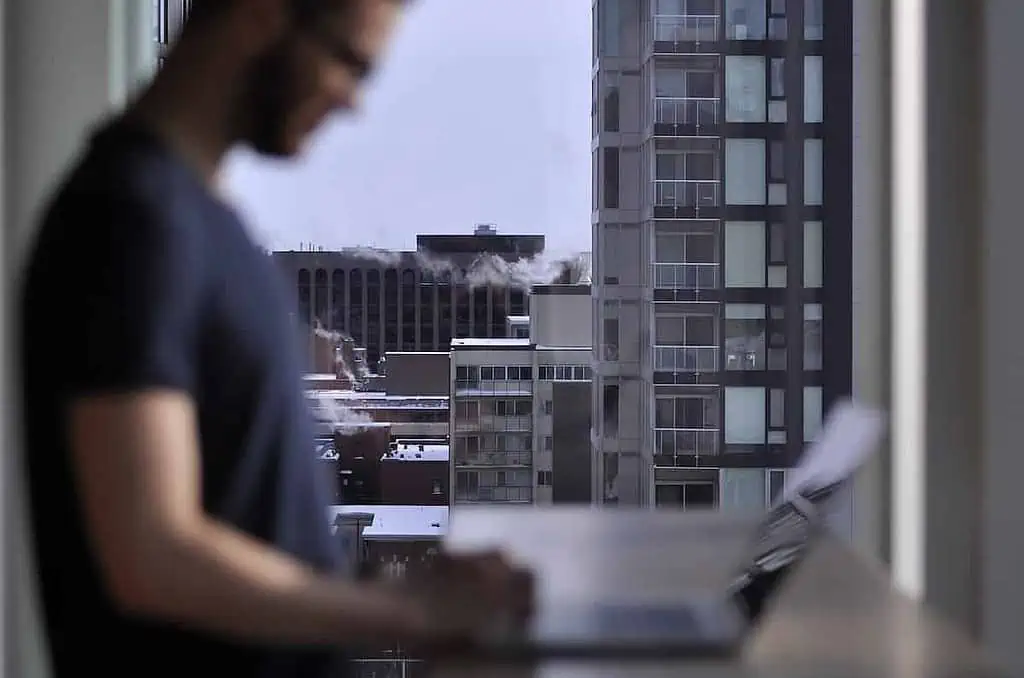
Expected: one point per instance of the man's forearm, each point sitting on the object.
(217, 579)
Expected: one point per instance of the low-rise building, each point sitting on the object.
(520, 414)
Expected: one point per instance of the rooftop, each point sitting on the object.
(491, 342)
(397, 522)
(377, 400)
(419, 452)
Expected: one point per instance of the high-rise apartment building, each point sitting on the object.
(721, 238)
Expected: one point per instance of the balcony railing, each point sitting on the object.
(690, 28)
(495, 424)
(686, 111)
(686, 358)
(681, 276)
(753, 357)
(493, 388)
(494, 459)
(495, 494)
(676, 441)
(686, 193)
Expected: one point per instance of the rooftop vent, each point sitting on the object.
(485, 229)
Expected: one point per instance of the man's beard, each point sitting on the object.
(262, 109)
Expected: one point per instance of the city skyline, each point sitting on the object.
(500, 134)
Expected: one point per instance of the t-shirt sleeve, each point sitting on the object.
(135, 322)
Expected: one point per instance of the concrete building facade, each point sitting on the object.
(411, 301)
(520, 417)
(721, 239)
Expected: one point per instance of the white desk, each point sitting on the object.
(837, 617)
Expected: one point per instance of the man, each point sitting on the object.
(177, 509)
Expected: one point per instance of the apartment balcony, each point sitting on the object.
(677, 34)
(482, 388)
(672, 442)
(684, 276)
(686, 359)
(686, 116)
(495, 459)
(489, 495)
(495, 424)
(685, 198)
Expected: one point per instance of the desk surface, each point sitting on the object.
(838, 616)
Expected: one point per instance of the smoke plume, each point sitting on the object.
(489, 269)
(340, 417)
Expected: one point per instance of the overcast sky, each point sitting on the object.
(479, 113)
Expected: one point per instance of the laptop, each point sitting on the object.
(715, 623)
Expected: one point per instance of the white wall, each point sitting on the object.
(65, 64)
(561, 319)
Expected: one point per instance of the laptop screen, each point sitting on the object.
(850, 435)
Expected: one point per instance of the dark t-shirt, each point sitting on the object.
(142, 278)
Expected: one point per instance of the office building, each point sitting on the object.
(721, 239)
(520, 418)
(413, 301)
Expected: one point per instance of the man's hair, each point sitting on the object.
(304, 10)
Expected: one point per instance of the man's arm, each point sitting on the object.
(137, 463)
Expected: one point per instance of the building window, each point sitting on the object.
(467, 376)
(611, 338)
(813, 171)
(776, 484)
(777, 416)
(777, 20)
(544, 478)
(743, 489)
(745, 327)
(813, 89)
(745, 254)
(520, 373)
(688, 496)
(812, 412)
(814, 20)
(620, 254)
(685, 330)
(745, 19)
(549, 443)
(777, 173)
(745, 172)
(338, 294)
(686, 425)
(467, 410)
(813, 254)
(611, 177)
(305, 297)
(610, 109)
(549, 407)
(745, 91)
(610, 410)
(812, 336)
(745, 415)
(608, 15)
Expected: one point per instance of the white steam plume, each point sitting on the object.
(341, 417)
(490, 269)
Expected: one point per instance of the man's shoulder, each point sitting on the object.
(122, 165)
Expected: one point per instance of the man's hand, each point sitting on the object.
(464, 597)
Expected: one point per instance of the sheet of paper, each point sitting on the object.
(851, 433)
